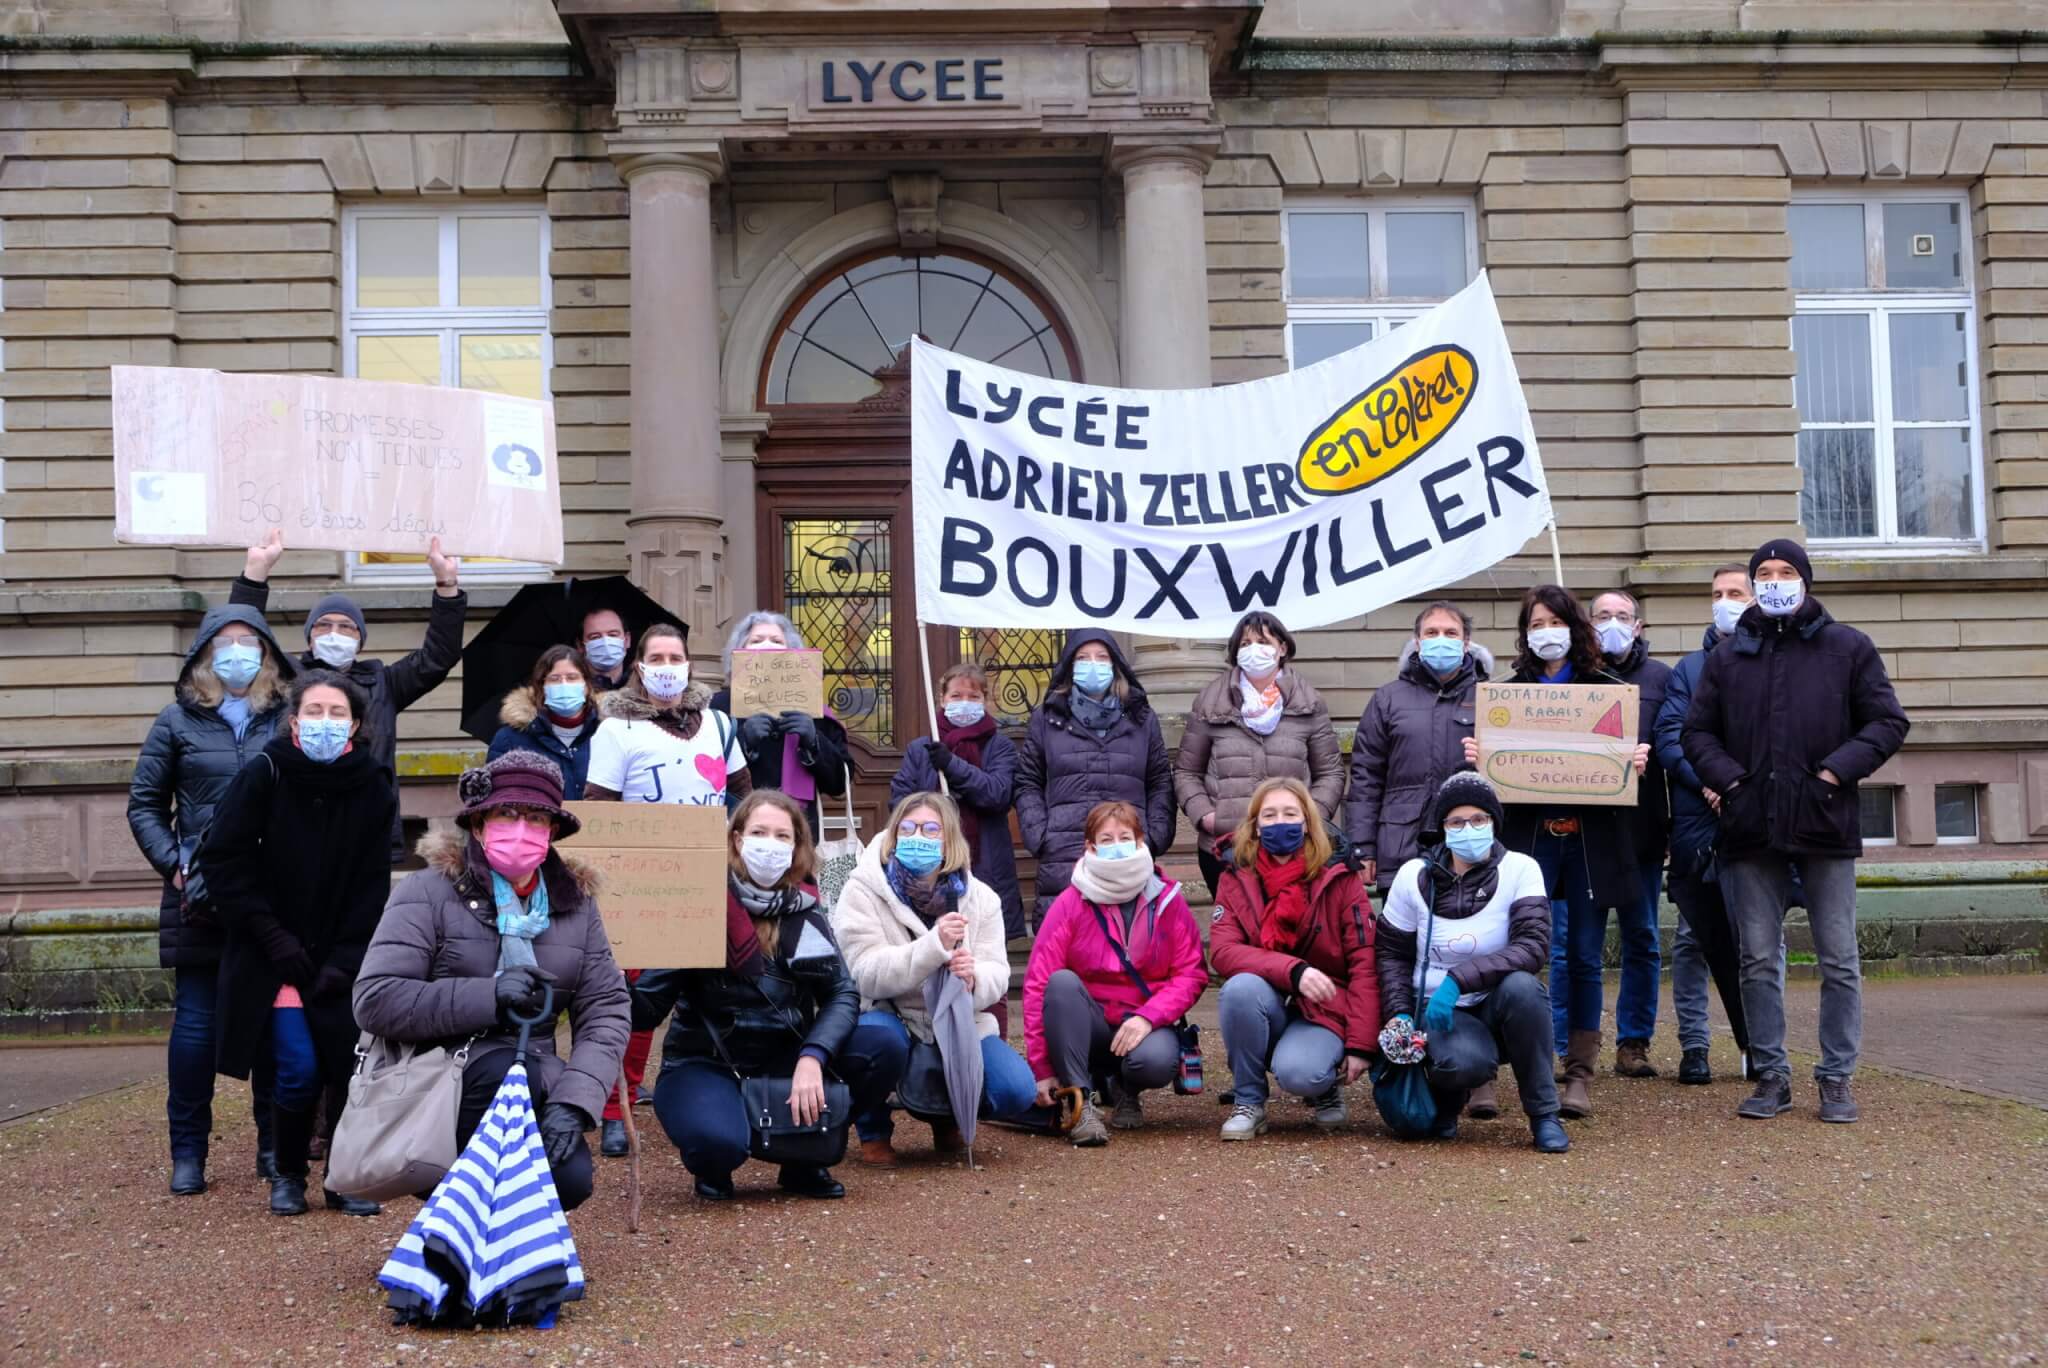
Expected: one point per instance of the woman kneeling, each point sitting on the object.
(1292, 938)
(912, 916)
(1117, 958)
(783, 1007)
(1488, 938)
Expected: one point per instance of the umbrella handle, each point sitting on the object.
(526, 1023)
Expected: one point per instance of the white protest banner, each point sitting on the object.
(207, 458)
(1374, 476)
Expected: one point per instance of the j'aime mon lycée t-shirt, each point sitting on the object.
(646, 763)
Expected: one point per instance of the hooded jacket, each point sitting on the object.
(1337, 939)
(302, 847)
(891, 952)
(428, 976)
(391, 688)
(1222, 762)
(1163, 943)
(521, 727)
(1064, 770)
(1410, 739)
(989, 791)
(188, 760)
(1780, 701)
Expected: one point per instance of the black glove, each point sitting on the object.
(561, 1126)
(286, 955)
(802, 726)
(756, 732)
(520, 990)
(331, 982)
(939, 753)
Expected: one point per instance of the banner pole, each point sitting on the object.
(931, 698)
(1556, 556)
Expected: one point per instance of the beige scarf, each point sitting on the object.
(1112, 883)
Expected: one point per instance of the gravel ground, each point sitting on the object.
(1672, 1234)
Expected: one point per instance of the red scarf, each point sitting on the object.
(1286, 885)
(966, 742)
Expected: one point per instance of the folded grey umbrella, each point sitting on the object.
(951, 1008)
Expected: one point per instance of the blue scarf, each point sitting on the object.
(946, 889)
(518, 923)
(1563, 676)
(1098, 715)
(235, 712)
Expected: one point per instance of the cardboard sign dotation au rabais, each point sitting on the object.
(776, 682)
(661, 868)
(1559, 743)
(203, 458)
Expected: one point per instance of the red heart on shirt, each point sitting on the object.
(712, 767)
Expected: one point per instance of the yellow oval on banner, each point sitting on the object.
(1394, 420)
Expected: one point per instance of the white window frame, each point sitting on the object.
(1384, 311)
(1976, 835)
(1891, 795)
(450, 322)
(1880, 305)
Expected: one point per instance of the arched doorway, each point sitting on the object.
(833, 485)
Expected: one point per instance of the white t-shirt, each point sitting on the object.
(1452, 941)
(646, 763)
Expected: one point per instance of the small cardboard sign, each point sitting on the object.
(662, 872)
(776, 682)
(1559, 743)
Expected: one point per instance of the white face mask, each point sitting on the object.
(1550, 643)
(1727, 612)
(1258, 659)
(1780, 598)
(1614, 637)
(335, 650)
(665, 681)
(766, 859)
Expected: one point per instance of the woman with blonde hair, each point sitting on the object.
(783, 1006)
(913, 910)
(1292, 939)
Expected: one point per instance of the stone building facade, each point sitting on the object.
(1774, 267)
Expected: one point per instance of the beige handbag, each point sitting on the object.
(396, 1137)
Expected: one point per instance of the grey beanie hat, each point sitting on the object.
(337, 603)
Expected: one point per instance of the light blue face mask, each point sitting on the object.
(1473, 844)
(564, 700)
(1117, 850)
(1093, 676)
(323, 738)
(236, 666)
(919, 854)
(965, 714)
(605, 652)
(1442, 654)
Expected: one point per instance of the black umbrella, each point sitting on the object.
(500, 657)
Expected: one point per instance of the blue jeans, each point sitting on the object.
(1007, 1087)
(297, 1088)
(698, 1104)
(1635, 1007)
(1260, 1031)
(1576, 927)
(189, 1065)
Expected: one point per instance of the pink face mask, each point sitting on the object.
(516, 849)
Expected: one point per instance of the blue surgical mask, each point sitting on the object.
(1780, 598)
(236, 666)
(564, 700)
(965, 714)
(607, 653)
(1282, 838)
(1615, 637)
(1093, 676)
(920, 854)
(1727, 612)
(1442, 654)
(1117, 850)
(323, 738)
(1473, 844)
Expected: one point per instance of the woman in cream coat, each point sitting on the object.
(913, 909)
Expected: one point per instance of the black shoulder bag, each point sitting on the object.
(773, 1132)
(1187, 1079)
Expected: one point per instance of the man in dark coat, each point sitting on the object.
(335, 633)
(1789, 716)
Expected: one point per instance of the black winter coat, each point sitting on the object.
(187, 762)
(1693, 824)
(521, 727)
(394, 687)
(1651, 819)
(1410, 739)
(1064, 770)
(768, 1012)
(1780, 701)
(1454, 897)
(301, 848)
(988, 791)
(825, 762)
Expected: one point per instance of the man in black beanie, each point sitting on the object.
(1791, 712)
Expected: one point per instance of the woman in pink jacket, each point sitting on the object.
(1087, 1017)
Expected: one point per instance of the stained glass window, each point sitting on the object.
(835, 588)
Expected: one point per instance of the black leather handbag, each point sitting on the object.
(774, 1134)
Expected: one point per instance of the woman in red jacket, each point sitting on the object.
(1292, 940)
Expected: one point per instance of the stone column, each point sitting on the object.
(1164, 323)
(675, 534)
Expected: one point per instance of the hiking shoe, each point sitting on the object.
(1245, 1122)
(1632, 1059)
(1773, 1097)
(878, 1153)
(1836, 1103)
(1484, 1103)
(1089, 1130)
(1329, 1109)
(1693, 1067)
(1127, 1114)
(1547, 1135)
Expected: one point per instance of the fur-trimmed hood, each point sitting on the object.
(450, 853)
(518, 712)
(632, 705)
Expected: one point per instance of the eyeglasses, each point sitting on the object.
(1625, 618)
(920, 829)
(245, 642)
(1466, 823)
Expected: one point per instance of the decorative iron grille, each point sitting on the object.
(1019, 662)
(835, 587)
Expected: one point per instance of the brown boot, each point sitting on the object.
(1483, 1104)
(1581, 1053)
(1632, 1060)
(947, 1139)
(878, 1153)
